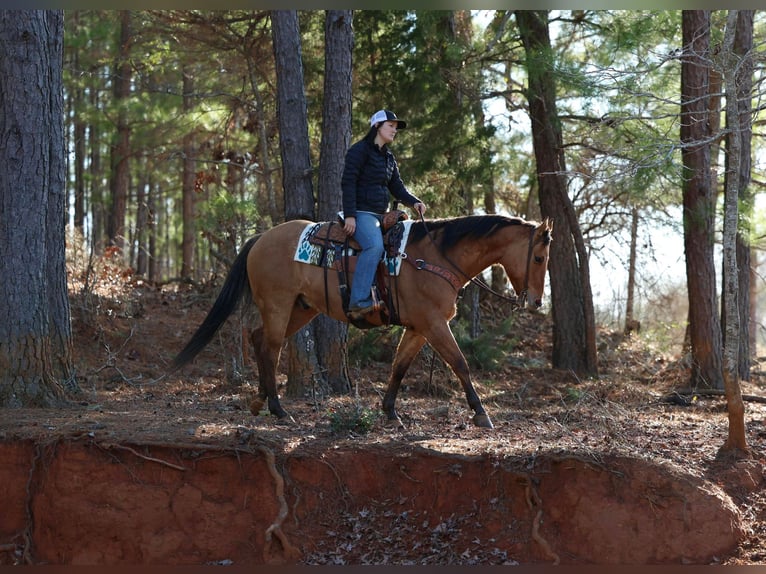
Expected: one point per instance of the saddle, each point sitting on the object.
(330, 233)
(330, 236)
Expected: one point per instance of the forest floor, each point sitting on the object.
(126, 333)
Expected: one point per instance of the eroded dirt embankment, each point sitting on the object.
(82, 502)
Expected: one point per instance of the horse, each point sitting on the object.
(440, 257)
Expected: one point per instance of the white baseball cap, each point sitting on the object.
(387, 116)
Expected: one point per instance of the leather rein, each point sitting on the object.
(519, 301)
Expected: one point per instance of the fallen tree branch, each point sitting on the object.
(685, 397)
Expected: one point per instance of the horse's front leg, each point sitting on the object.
(442, 340)
(408, 348)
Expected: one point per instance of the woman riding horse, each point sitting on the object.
(369, 174)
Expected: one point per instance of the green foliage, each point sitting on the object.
(423, 65)
(352, 419)
(366, 345)
(489, 350)
(663, 337)
(461, 88)
(209, 54)
(229, 214)
(573, 395)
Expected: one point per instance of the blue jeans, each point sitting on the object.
(370, 238)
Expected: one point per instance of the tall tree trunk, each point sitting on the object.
(96, 195)
(78, 122)
(59, 318)
(151, 214)
(736, 440)
(743, 47)
(574, 330)
(189, 239)
(120, 181)
(142, 220)
(699, 201)
(264, 159)
(753, 323)
(630, 321)
(79, 171)
(498, 280)
(330, 335)
(460, 26)
(292, 116)
(35, 335)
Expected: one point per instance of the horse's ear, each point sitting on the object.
(545, 230)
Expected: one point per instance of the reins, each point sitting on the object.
(518, 301)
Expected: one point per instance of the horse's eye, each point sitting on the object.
(539, 259)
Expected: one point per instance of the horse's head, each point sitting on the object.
(527, 265)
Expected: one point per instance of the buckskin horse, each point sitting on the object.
(439, 258)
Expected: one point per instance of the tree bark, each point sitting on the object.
(292, 117)
(188, 242)
(142, 222)
(120, 178)
(630, 321)
(330, 335)
(302, 365)
(98, 199)
(574, 330)
(736, 440)
(153, 193)
(35, 333)
(699, 202)
(743, 46)
(79, 130)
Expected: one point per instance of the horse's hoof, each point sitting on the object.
(285, 420)
(394, 423)
(256, 406)
(482, 420)
(283, 417)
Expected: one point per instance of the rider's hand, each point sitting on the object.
(349, 225)
(420, 208)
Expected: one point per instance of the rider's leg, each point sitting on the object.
(370, 238)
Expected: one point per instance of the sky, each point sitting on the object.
(609, 276)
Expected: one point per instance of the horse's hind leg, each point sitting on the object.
(267, 352)
(267, 376)
(408, 348)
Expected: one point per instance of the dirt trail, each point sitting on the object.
(153, 469)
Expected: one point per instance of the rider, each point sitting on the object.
(370, 173)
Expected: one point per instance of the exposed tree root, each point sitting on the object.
(23, 551)
(26, 535)
(341, 487)
(109, 446)
(534, 501)
(291, 553)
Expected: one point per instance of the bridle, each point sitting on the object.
(518, 301)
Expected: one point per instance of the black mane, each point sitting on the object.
(448, 232)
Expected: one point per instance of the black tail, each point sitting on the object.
(233, 289)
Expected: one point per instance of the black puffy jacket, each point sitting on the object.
(369, 175)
